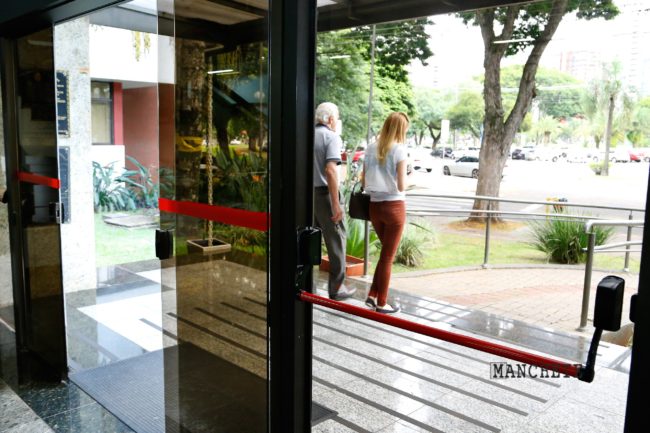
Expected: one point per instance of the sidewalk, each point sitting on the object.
(546, 296)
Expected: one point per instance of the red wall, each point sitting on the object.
(140, 114)
(118, 118)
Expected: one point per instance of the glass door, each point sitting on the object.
(214, 159)
(32, 199)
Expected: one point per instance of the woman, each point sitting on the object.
(384, 178)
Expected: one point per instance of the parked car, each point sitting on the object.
(464, 166)
(635, 155)
(421, 158)
(359, 152)
(467, 151)
(618, 154)
(518, 154)
(443, 152)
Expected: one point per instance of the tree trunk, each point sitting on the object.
(498, 134)
(608, 135)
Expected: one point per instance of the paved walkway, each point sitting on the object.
(547, 296)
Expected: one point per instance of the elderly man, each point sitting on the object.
(328, 209)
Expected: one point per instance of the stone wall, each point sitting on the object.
(71, 44)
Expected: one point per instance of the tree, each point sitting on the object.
(522, 27)
(640, 134)
(342, 78)
(467, 113)
(432, 106)
(545, 128)
(557, 94)
(397, 44)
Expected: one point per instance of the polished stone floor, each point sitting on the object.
(376, 378)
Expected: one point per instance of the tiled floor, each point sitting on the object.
(377, 378)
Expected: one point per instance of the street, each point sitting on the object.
(625, 187)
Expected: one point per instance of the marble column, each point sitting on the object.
(71, 45)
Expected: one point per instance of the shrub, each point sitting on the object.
(145, 190)
(355, 236)
(110, 195)
(563, 240)
(416, 234)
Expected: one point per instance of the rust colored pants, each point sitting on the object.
(388, 218)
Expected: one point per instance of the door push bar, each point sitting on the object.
(607, 316)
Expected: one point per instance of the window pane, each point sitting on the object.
(101, 118)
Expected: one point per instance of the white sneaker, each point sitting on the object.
(387, 309)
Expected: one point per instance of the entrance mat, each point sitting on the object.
(183, 389)
(179, 389)
(320, 413)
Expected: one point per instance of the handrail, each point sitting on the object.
(591, 249)
(582, 372)
(514, 200)
(612, 223)
(497, 212)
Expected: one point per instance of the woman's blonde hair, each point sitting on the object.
(393, 131)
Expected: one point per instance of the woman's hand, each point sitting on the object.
(401, 175)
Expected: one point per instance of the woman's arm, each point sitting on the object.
(401, 175)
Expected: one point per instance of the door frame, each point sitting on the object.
(291, 124)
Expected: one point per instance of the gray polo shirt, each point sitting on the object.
(327, 147)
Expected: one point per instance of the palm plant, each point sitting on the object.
(147, 190)
(563, 240)
(109, 193)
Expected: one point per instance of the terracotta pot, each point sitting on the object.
(353, 266)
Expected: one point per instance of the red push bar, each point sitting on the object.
(474, 343)
(38, 179)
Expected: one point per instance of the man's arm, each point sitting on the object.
(332, 177)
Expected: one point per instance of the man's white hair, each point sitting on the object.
(325, 111)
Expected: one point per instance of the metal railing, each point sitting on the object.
(607, 248)
(518, 214)
(590, 222)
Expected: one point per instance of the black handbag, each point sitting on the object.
(359, 207)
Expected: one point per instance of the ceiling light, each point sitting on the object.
(221, 71)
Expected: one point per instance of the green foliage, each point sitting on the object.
(596, 102)
(240, 181)
(242, 238)
(396, 45)
(640, 134)
(146, 190)
(558, 94)
(355, 237)
(432, 106)
(533, 17)
(109, 194)
(417, 235)
(467, 113)
(563, 240)
(344, 81)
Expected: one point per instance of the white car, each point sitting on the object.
(465, 166)
(421, 158)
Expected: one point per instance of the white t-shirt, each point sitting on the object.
(381, 179)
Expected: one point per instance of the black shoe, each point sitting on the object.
(371, 302)
(343, 293)
(387, 309)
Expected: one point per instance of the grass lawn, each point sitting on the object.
(452, 250)
(115, 245)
